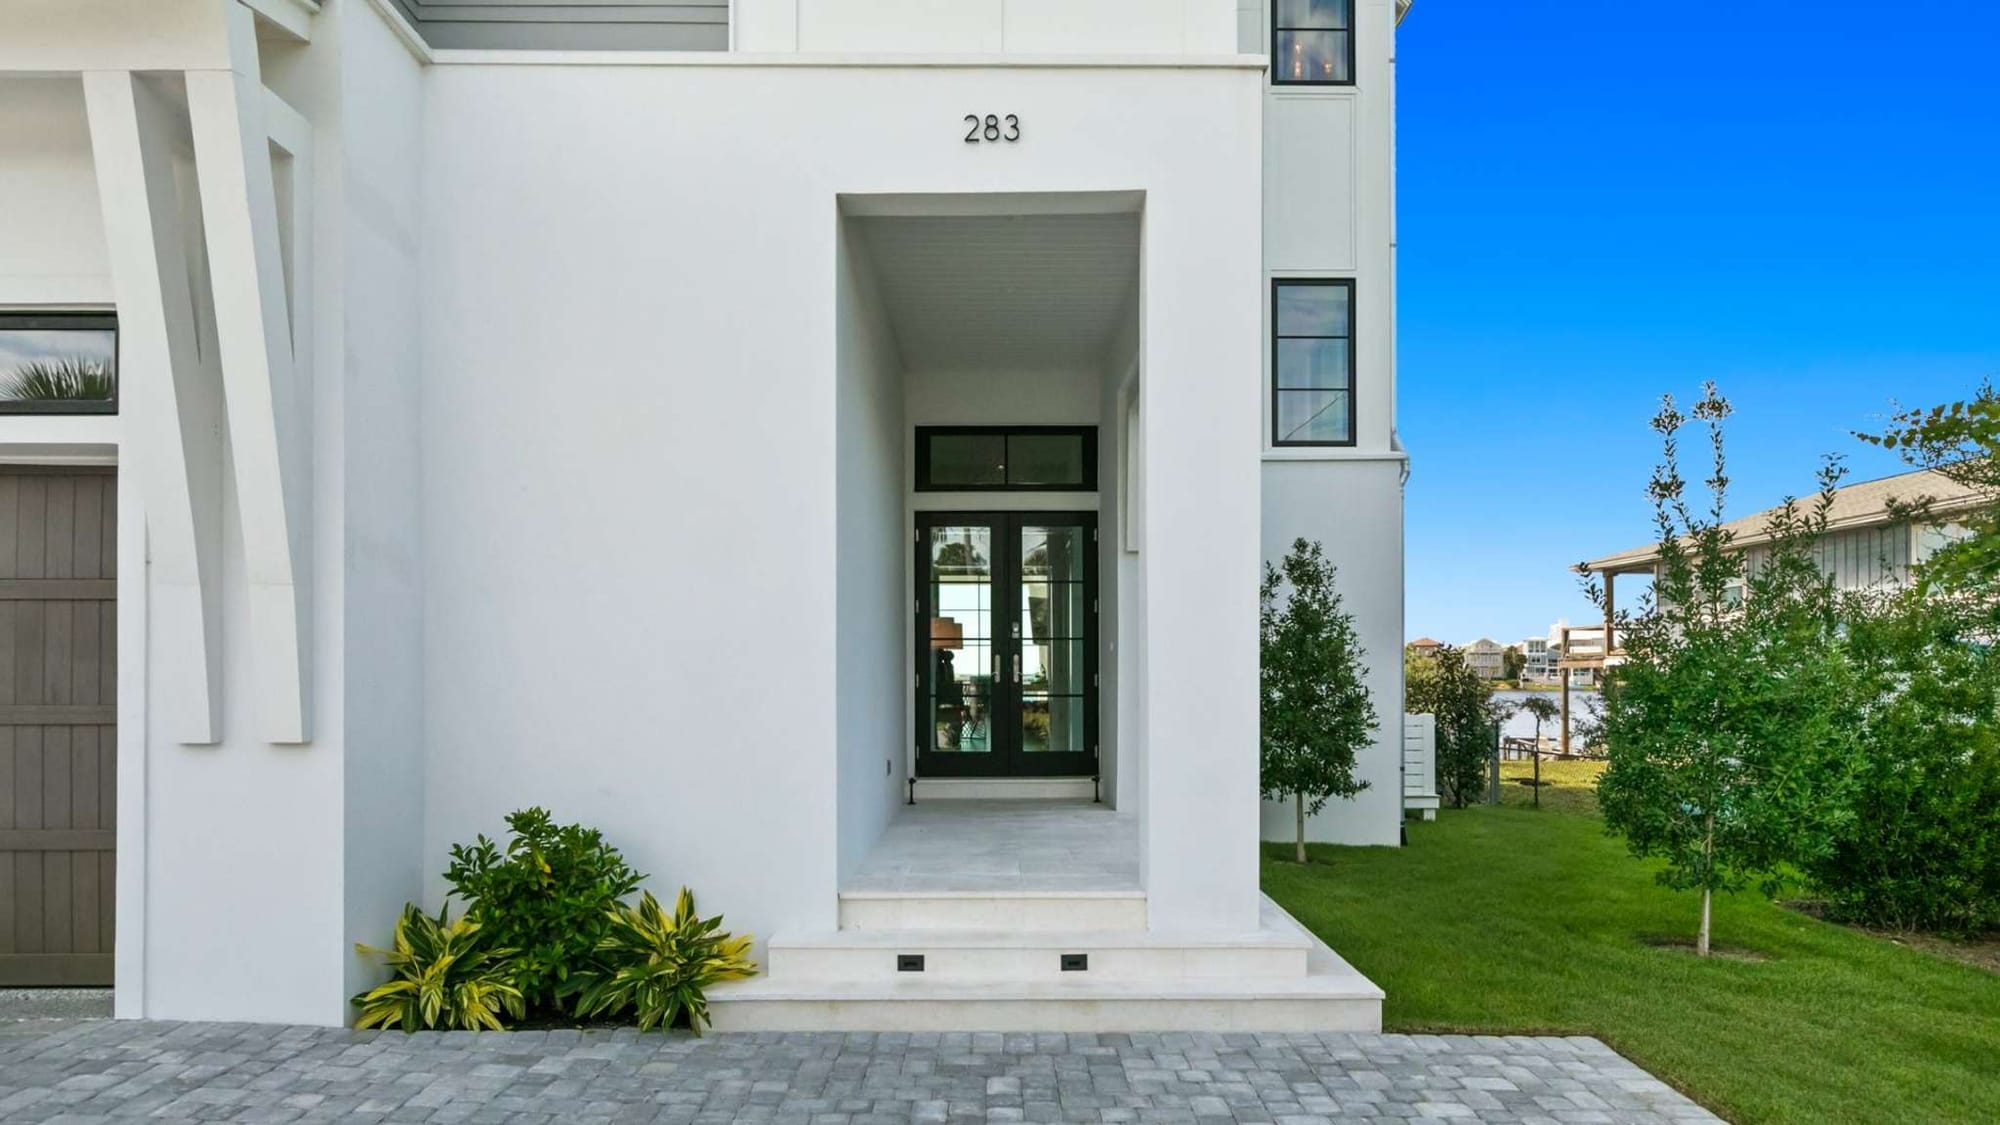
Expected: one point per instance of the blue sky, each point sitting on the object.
(1601, 202)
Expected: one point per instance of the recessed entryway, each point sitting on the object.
(58, 733)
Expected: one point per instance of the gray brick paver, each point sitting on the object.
(213, 1072)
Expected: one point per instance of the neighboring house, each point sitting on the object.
(1869, 541)
(1539, 658)
(726, 424)
(1423, 646)
(1487, 658)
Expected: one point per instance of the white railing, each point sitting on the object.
(1420, 764)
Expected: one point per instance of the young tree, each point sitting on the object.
(1315, 709)
(1544, 710)
(1726, 725)
(1445, 686)
(1512, 663)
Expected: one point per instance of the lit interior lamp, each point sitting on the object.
(1298, 60)
(946, 633)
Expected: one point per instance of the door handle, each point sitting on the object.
(1017, 668)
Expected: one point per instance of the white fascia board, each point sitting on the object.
(887, 61)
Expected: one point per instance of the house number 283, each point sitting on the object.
(991, 128)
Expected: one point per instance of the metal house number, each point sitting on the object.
(991, 128)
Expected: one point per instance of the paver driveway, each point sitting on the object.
(108, 1071)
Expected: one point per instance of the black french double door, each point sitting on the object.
(1006, 644)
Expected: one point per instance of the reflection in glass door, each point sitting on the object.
(1006, 644)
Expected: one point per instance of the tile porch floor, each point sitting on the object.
(977, 847)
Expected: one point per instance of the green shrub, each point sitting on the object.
(1920, 848)
(657, 968)
(447, 975)
(550, 897)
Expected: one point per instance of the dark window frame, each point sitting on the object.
(1353, 18)
(1278, 285)
(61, 322)
(1088, 434)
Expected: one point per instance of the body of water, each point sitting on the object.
(1582, 705)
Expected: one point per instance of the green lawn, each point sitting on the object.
(1511, 920)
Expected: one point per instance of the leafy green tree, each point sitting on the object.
(1544, 710)
(1315, 709)
(1960, 440)
(1445, 686)
(1920, 846)
(1512, 663)
(1728, 725)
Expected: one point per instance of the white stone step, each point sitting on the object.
(1329, 995)
(1026, 956)
(1020, 911)
(1318, 1002)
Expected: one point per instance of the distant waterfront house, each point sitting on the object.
(1487, 657)
(1423, 646)
(1539, 657)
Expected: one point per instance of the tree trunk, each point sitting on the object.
(1538, 763)
(1299, 805)
(1707, 883)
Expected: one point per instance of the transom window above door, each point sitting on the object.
(58, 363)
(1006, 458)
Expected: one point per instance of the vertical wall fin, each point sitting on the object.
(265, 401)
(171, 414)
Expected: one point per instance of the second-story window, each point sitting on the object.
(1312, 42)
(1312, 362)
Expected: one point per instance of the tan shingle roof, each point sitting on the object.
(1858, 505)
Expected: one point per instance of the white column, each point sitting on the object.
(1201, 324)
(269, 438)
(171, 413)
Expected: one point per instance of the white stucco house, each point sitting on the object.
(829, 445)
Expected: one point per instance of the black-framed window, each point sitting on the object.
(1006, 458)
(1312, 42)
(58, 363)
(1312, 361)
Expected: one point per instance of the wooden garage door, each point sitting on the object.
(58, 744)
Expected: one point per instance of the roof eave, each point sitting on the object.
(1403, 9)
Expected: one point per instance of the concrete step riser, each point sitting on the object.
(1019, 915)
(1036, 962)
(1083, 1015)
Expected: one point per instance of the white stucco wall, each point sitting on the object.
(1354, 509)
(630, 463)
(376, 193)
(51, 233)
(871, 695)
(1329, 212)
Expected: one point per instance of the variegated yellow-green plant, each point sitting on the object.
(445, 977)
(658, 967)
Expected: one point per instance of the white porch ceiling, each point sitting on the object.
(1000, 293)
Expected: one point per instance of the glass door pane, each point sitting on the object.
(963, 654)
(1053, 608)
